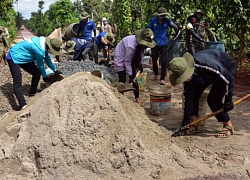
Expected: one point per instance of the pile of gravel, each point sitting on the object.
(70, 67)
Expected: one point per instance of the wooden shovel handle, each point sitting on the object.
(216, 112)
(137, 74)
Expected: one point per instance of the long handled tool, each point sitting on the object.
(177, 131)
(136, 76)
(123, 87)
(175, 38)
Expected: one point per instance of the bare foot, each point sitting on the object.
(138, 101)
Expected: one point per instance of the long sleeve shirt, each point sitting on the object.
(216, 67)
(124, 53)
(32, 50)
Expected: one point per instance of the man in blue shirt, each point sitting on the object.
(104, 40)
(86, 26)
(159, 25)
(80, 46)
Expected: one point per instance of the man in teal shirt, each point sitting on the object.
(30, 56)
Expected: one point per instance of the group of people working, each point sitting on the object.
(87, 44)
(196, 70)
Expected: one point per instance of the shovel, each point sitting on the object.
(175, 38)
(123, 87)
(177, 131)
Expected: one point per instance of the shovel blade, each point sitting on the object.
(123, 87)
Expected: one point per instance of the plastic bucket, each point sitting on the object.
(141, 79)
(71, 31)
(214, 45)
(178, 49)
(97, 73)
(160, 99)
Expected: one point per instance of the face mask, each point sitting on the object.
(85, 20)
(161, 17)
(143, 47)
(193, 20)
(198, 16)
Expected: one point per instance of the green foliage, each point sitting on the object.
(228, 19)
(122, 17)
(7, 18)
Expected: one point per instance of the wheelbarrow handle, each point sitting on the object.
(211, 32)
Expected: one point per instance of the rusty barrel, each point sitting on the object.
(71, 31)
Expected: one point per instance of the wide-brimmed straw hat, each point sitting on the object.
(161, 11)
(181, 68)
(109, 37)
(145, 37)
(199, 11)
(54, 45)
(70, 45)
(84, 15)
(190, 17)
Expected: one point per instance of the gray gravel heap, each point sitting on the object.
(70, 67)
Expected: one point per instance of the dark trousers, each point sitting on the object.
(164, 60)
(122, 78)
(96, 48)
(91, 51)
(15, 70)
(192, 92)
(191, 49)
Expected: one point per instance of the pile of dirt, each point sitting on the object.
(81, 127)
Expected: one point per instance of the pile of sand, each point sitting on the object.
(82, 128)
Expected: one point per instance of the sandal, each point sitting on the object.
(225, 133)
(196, 129)
(141, 103)
(162, 82)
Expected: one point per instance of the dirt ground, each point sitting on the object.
(82, 128)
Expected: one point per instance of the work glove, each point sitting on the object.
(166, 19)
(111, 46)
(46, 79)
(131, 79)
(228, 103)
(57, 72)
